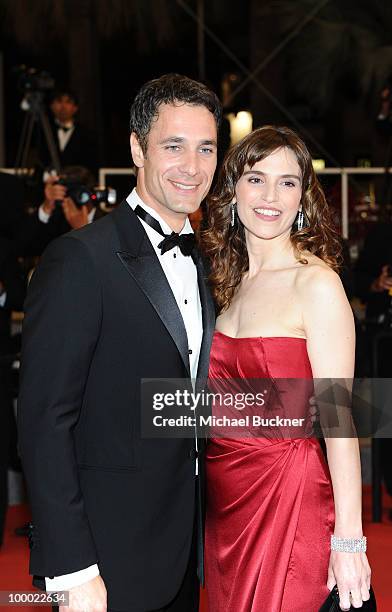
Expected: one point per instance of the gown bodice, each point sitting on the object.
(259, 357)
(274, 369)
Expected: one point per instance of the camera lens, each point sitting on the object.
(82, 196)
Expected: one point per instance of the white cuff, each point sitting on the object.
(3, 299)
(68, 581)
(42, 215)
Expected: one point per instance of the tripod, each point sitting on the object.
(36, 116)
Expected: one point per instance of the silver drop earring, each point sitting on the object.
(300, 220)
(232, 215)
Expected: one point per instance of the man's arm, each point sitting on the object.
(330, 333)
(37, 230)
(61, 328)
(69, 581)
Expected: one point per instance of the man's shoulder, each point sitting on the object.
(95, 232)
(95, 238)
(101, 237)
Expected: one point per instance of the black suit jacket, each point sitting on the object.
(81, 148)
(100, 316)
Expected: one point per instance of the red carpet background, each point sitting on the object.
(14, 557)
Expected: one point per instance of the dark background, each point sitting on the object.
(325, 81)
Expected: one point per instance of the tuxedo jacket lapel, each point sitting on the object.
(139, 258)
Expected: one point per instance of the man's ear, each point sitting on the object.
(137, 151)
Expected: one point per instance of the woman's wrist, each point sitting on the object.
(350, 545)
(348, 532)
(348, 521)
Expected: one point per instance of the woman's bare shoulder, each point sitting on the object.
(317, 278)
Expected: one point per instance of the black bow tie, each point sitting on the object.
(185, 242)
(65, 128)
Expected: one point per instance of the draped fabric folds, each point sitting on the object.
(270, 511)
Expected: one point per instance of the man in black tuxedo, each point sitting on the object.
(117, 515)
(75, 144)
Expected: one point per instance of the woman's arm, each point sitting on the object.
(329, 327)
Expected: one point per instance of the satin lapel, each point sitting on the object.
(140, 260)
(208, 315)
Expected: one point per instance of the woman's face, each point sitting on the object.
(268, 195)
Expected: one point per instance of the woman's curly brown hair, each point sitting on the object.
(225, 245)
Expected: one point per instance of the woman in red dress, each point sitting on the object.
(273, 502)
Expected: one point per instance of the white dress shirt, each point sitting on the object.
(181, 274)
(64, 135)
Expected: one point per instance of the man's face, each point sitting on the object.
(64, 109)
(175, 173)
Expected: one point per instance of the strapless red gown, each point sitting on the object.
(270, 511)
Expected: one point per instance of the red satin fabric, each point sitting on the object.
(270, 511)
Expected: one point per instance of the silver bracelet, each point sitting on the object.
(351, 545)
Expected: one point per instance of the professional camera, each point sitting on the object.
(31, 79)
(82, 194)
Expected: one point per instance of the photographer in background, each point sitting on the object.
(59, 212)
(374, 273)
(74, 214)
(374, 287)
(12, 293)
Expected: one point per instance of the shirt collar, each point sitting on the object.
(134, 200)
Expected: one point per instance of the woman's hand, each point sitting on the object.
(351, 573)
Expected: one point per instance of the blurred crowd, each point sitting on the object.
(30, 218)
